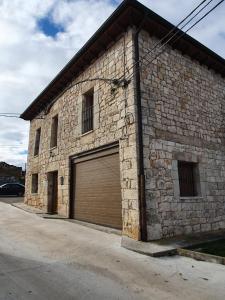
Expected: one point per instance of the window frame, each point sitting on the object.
(37, 142)
(188, 179)
(87, 118)
(34, 185)
(54, 132)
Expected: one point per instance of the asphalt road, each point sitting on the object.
(28, 279)
(55, 259)
(10, 200)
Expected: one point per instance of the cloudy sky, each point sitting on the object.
(37, 38)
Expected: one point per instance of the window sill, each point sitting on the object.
(36, 155)
(86, 133)
(191, 197)
(34, 194)
(53, 148)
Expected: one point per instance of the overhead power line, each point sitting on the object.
(116, 82)
(205, 15)
(9, 113)
(175, 28)
(9, 116)
(178, 30)
(183, 33)
(13, 147)
(122, 81)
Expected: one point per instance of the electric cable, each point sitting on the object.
(183, 33)
(173, 29)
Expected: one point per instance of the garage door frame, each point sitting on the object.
(85, 156)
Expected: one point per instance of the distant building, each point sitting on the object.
(10, 173)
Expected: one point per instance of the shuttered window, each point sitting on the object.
(87, 111)
(187, 178)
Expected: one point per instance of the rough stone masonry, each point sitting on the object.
(183, 106)
(110, 111)
(183, 120)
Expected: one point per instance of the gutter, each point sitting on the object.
(141, 175)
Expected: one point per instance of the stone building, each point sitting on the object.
(121, 140)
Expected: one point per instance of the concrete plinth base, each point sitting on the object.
(148, 248)
(171, 246)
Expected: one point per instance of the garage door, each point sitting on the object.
(97, 195)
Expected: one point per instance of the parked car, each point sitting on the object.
(12, 189)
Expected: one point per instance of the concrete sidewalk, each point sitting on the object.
(164, 247)
(53, 259)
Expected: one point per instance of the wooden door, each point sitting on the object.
(53, 192)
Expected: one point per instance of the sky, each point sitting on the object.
(37, 38)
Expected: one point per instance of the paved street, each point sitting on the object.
(56, 259)
(10, 200)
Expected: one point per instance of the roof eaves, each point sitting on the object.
(107, 23)
(31, 111)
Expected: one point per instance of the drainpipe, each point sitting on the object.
(141, 175)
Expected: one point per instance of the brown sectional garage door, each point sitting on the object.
(97, 195)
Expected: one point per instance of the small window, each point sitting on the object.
(87, 111)
(187, 178)
(37, 141)
(54, 132)
(34, 188)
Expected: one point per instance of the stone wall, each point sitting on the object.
(114, 120)
(183, 119)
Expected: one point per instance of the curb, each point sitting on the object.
(202, 256)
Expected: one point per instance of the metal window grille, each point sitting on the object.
(37, 141)
(187, 179)
(54, 132)
(87, 113)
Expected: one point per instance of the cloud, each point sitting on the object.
(208, 32)
(24, 152)
(30, 58)
(12, 135)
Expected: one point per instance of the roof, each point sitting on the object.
(130, 12)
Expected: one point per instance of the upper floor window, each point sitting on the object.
(37, 141)
(188, 179)
(54, 132)
(87, 111)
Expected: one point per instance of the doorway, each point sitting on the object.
(53, 192)
(96, 189)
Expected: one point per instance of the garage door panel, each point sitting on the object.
(97, 192)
